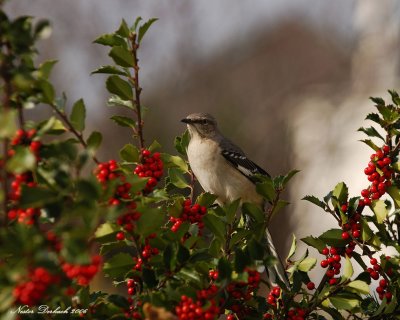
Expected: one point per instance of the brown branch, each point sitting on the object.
(71, 128)
(138, 89)
(5, 74)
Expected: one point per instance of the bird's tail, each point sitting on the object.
(276, 272)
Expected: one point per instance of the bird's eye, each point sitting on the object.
(204, 121)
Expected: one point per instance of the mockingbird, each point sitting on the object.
(223, 169)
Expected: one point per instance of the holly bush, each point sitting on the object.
(67, 216)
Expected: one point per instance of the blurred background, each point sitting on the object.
(288, 80)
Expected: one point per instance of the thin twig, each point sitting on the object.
(138, 89)
(71, 128)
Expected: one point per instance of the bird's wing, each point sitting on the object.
(238, 159)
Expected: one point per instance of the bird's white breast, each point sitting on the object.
(216, 175)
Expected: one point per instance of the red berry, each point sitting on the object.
(388, 296)
(325, 251)
(120, 236)
(356, 233)
(344, 208)
(365, 192)
(131, 291)
(345, 236)
(379, 290)
(145, 153)
(374, 275)
(383, 283)
(324, 263)
(333, 250)
(373, 261)
(330, 273)
(311, 286)
(387, 161)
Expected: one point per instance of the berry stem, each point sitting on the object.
(136, 86)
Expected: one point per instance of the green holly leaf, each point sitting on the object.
(358, 286)
(124, 121)
(347, 270)
(333, 237)
(130, 153)
(143, 29)
(122, 57)
(22, 161)
(118, 266)
(119, 87)
(8, 124)
(315, 201)
(94, 141)
(109, 70)
(110, 40)
(177, 178)
(380, 210)
(78, 115)
(307, 264)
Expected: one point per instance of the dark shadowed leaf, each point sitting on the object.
(118, 266)
(215, 225)
(315, 201)
(371, 132)
(109, 70)
(371, 144)
(333, 237)
(122, 57)
(124, 121)
(78, 115)
(94, 140)
(110, 40)
(119, 87)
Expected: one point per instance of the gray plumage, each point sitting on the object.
(222, 168)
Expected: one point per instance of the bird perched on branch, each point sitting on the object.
(224, 170)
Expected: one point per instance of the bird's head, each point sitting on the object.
(202, 124)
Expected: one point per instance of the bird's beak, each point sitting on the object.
(186, 120)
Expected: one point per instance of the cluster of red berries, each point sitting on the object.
(25, 216)
(147, 252)
(25, 138)
(121, 192)
(379, 174)
(82, 273)
(132, 312)
(296, 314)
(16, 185)
(383, 291)
(192, 213)
(274, 296)
(332, 262)
(127, 220)
(106, 171)
(204, 308)
(151, 167)
(54, 241)
(243, 290)
(213, 274)
(131, 284)
(33, 291)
